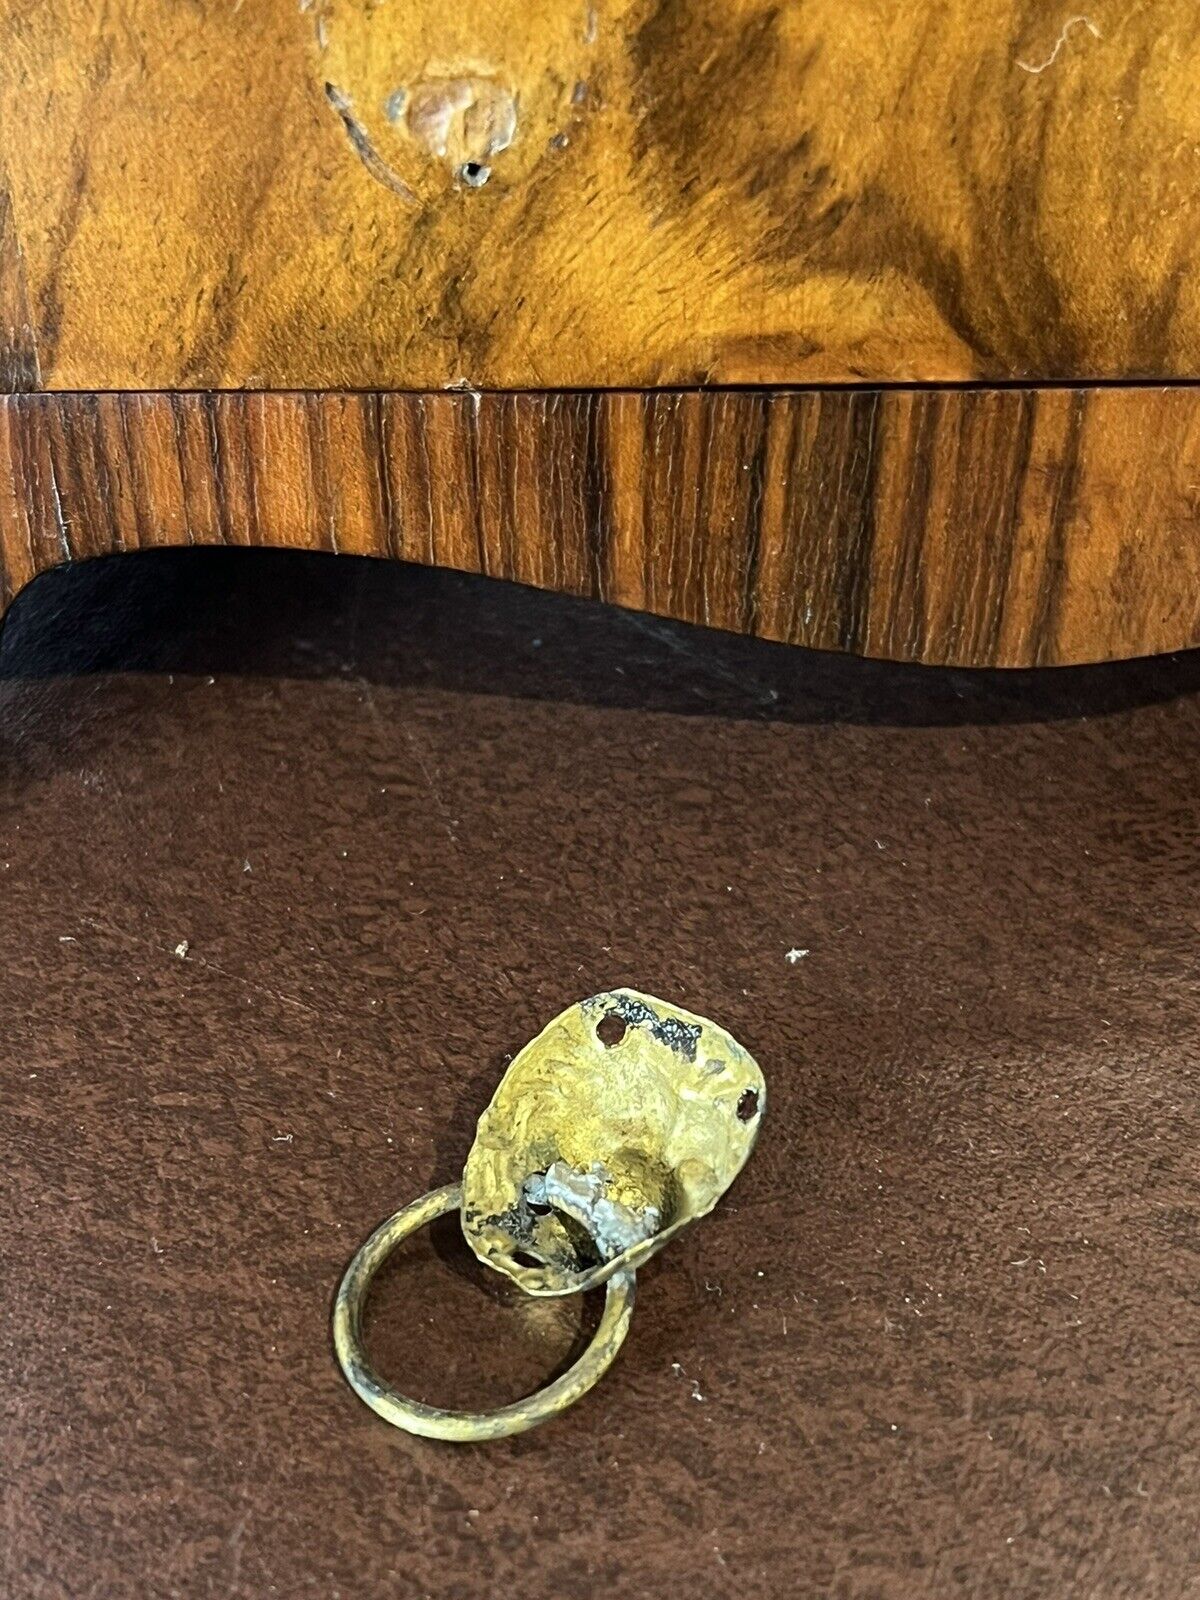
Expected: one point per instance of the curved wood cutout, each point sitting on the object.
(329, 194)
(1001, 527)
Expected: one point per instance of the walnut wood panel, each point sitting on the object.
(1008, 527)
(348, 194)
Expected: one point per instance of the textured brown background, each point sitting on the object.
(942, 1336)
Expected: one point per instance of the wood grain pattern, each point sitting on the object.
(348, 194)
(1007, 527)
(18, 344)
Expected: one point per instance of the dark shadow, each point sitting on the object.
(308, 615)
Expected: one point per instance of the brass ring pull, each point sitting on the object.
(463, 1426)
(626, 1119)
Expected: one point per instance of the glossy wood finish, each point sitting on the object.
(1009, 527)
(348, 194)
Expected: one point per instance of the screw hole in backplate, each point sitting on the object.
(611, 1029)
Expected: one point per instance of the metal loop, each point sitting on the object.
(463, 1426)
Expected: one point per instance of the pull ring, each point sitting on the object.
(463, 1427)
(626, 1119)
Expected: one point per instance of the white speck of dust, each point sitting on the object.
(181, 949)
(795, 955)
(1071, 23)
(282, 1138)
(677, 1369)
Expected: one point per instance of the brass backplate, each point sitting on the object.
(623, 1121)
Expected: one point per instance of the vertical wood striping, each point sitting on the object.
(977, 527)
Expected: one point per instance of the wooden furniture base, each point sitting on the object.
(473, 287)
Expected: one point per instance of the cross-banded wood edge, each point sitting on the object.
(1008, 527)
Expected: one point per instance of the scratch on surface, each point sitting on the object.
(63, 539)
(260, 988)
(235, 1549)
(366, 151)
(1068, 25)
(666, 632)
(427, 771)
(202, 961)
(363, 683)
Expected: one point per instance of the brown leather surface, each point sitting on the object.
(940, 1339)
